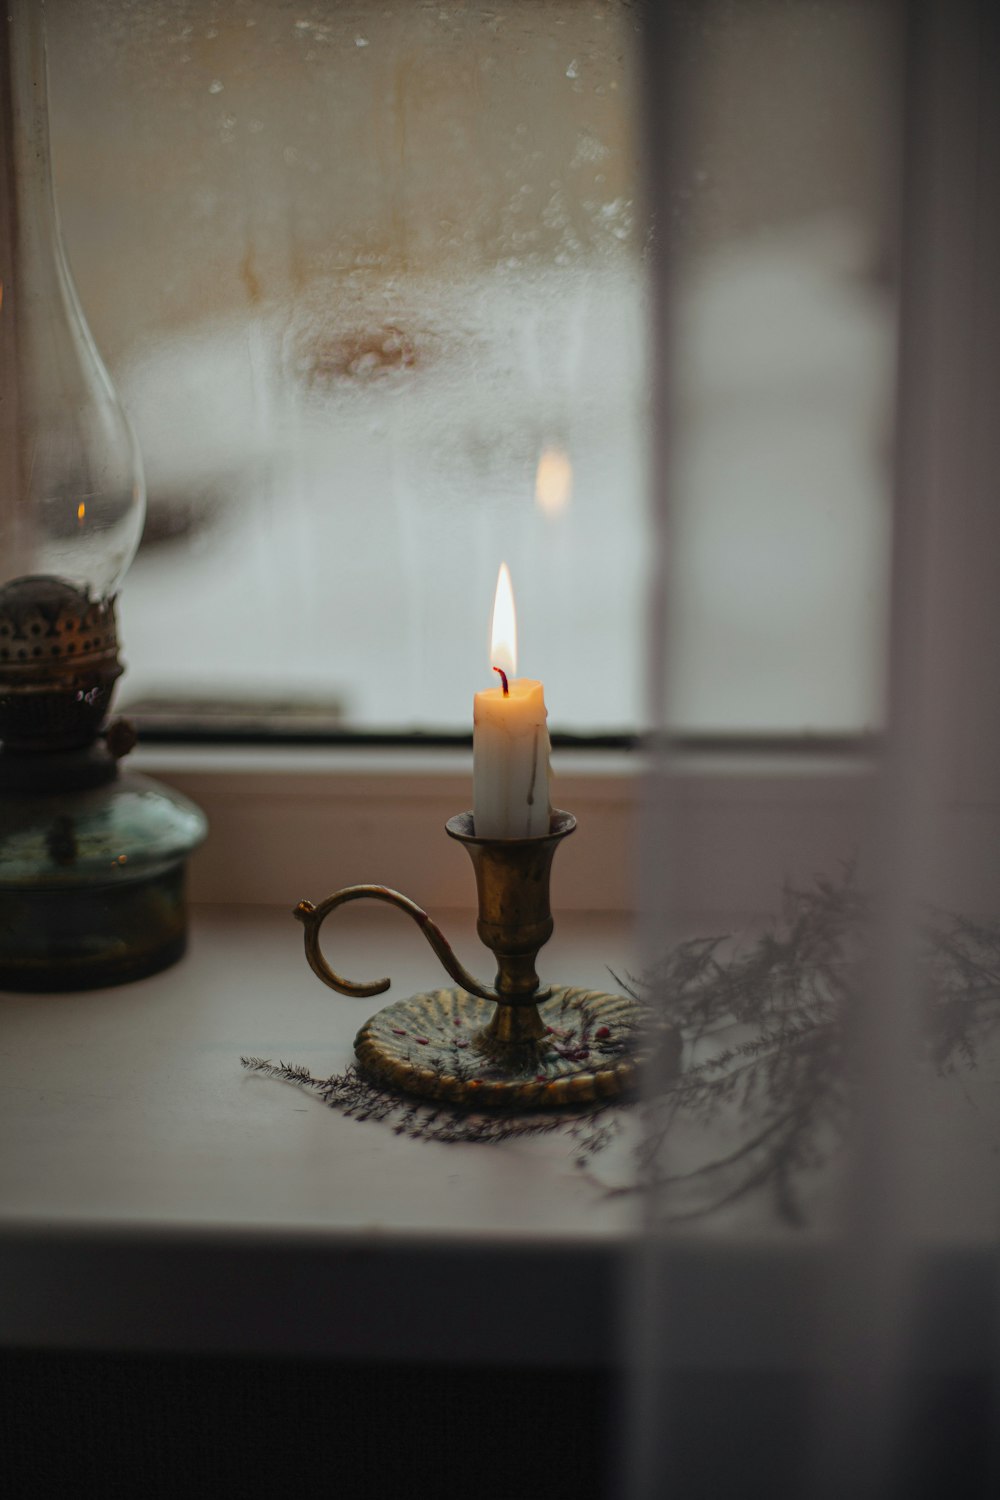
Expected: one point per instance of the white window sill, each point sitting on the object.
(156, 1197)
(301, 822)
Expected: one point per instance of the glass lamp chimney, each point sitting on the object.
(72, 496)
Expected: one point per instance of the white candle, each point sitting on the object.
(510, 739)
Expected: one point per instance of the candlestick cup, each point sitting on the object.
(512, 1044)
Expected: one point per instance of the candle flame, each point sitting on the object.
(503, 625)
(553, 481)
(81, 511)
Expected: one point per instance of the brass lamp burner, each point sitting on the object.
(58, 664)
(511, 1045)
(91, 858)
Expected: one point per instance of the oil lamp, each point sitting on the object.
(91, 860)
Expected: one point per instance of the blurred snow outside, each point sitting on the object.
(352, 527)
(355, 270)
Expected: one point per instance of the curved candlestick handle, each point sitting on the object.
(312, 918)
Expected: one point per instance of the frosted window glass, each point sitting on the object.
(358, 270)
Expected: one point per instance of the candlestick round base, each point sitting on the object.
(437, 1045)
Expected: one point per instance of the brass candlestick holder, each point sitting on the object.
(509, 1045)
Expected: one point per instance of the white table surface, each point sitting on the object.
(154, 1195)
(136, 1153)
(129, 1105)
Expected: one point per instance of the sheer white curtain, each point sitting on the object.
(829, 1331)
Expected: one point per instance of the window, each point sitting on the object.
(369, 278)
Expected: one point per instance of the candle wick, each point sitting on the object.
(503, 679)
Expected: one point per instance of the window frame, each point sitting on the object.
(288, 822)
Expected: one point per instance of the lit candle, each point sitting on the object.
(510, 740)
